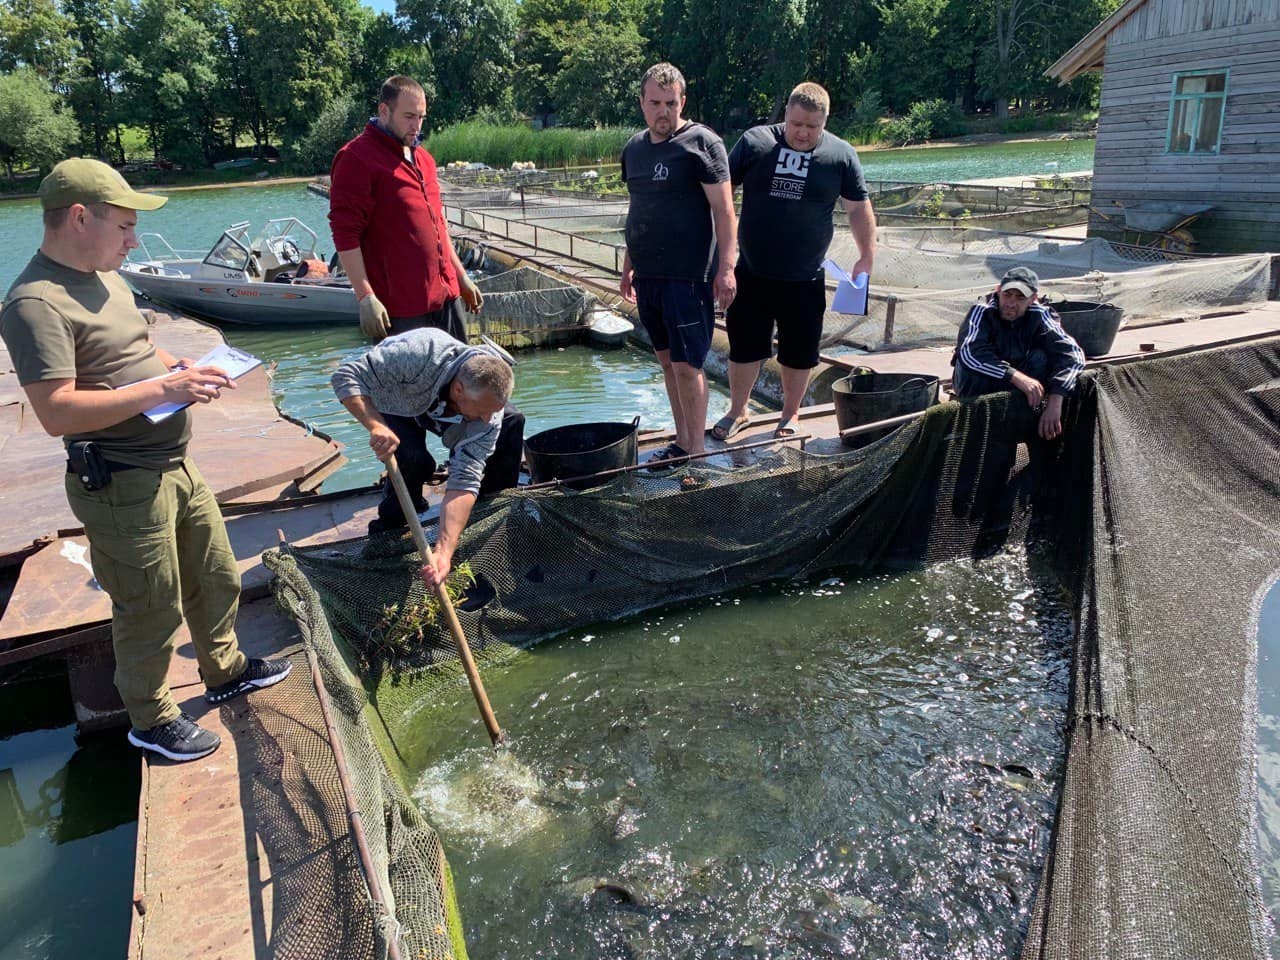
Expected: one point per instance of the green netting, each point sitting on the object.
(527, 308)
(1162, 503)
(421, 916)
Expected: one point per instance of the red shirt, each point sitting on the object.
(390, 209)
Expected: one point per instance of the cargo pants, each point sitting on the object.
(159, 549)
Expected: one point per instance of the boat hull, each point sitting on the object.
(248, 302)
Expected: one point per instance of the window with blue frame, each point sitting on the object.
(1195, 111)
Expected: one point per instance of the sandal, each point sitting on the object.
(785, 429)
(662, 460)
(727, 427)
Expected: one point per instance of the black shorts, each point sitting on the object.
(678, 315)
(797, 308)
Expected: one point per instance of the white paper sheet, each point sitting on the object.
(851, 292)
(236, 363)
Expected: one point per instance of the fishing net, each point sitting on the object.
(1161, 506)
(987, 205)
(926, 280)
(323, 905)
(525, 307)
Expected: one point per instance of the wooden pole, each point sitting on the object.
(451, 616)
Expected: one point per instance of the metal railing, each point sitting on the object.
(548, 239)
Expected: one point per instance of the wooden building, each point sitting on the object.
(1190, 117)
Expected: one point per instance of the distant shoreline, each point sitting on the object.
(969, 140)
(164, 190)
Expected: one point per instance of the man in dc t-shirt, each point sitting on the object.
(677, 174)
(791, 174)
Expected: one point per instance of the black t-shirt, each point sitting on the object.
(788, 199)
(670, 234)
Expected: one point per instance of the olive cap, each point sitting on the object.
(86, 181)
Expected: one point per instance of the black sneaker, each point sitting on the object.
(256, 675)
(180, 739)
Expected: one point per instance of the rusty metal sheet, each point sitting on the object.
(240, 442)
(56, 591)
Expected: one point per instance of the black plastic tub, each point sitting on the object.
(867, 397)
(580, 450)
(1092, 325)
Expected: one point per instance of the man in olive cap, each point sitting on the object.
(1010, 340)
(156, 537)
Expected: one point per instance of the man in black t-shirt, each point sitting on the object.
(681, 207)
(791, 174)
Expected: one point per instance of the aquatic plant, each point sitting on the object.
(402, 628)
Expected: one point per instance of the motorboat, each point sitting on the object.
(274, 278)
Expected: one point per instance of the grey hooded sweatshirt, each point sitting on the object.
(406, 376)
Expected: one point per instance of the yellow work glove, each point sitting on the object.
(374, 322)
(470, 293)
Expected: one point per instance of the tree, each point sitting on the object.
(912, 52)
(386, 50)
(333, 126)
(1009, 67)
(597, 81)
(291, 58)
(581, 59)
(35, 129)
(471, 44)
(34, 34)
(93, 80)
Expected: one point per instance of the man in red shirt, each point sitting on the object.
(388, 223)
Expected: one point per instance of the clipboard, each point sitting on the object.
(234, 361)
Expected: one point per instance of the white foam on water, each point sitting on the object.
(491, 797)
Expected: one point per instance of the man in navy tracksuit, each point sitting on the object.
(1009, 341)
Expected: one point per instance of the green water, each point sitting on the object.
(825, 769)
(952, 164)
(68, 811)
(554, 387)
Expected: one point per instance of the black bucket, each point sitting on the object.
(580, 450)
(1092, 325)
(867, 397)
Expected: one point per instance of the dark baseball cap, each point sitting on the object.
(1022, 279)
(86, 181)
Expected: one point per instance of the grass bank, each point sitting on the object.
(501, 146)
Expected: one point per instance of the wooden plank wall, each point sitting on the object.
(1164, 37)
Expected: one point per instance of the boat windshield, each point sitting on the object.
(284, 233)
(232, 249)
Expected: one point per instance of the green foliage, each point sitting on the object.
(926, 120)
(503, 146)
(167, 77)
(938, 117)
(402, 628)
(471, 43)
(35, 129)
(333, 126)
(596, 86)
(933, 206)
(911, 47)
(200, 77)
(863, 126)
(294, 60)
(33, 33)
